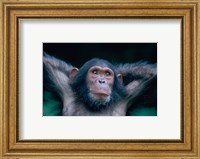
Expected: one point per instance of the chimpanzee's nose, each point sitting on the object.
(101, 81)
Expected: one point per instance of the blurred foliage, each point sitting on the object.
(143, 111)
(52, 106)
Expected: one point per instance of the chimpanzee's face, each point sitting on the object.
(100, 82)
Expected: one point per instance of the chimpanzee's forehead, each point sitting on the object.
(104, 65)
(100, 67)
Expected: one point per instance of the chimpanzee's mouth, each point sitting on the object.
(102, 92)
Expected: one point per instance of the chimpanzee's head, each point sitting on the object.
(97, 84)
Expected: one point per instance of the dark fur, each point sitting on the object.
(136, 71)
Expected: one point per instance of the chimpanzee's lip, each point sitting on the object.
(101, 92)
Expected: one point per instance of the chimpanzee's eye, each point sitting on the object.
(94, 71)
(108, 73)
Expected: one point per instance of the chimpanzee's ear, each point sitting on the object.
(73, 72)
(119, 76)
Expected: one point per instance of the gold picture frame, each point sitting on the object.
(14, 10)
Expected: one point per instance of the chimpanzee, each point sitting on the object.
(98, 88)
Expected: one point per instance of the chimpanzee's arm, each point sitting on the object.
(56, 74)
(137, 78)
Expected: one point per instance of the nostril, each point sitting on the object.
(101, 81)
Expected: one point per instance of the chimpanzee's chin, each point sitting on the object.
(98, 104)
(96, 107)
